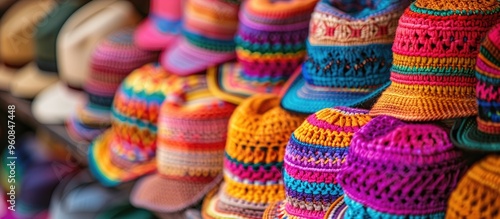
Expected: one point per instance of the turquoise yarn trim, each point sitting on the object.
(443, 13)
(311, 188)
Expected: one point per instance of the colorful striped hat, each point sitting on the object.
(349, 56)
(127, 150)
(483, 132)
(209, 27)
(192, 131)
(270, 45)
(162, 27)
(111, 61)
(476, 195)
(435, 51)
(258, 132)
(315, 154)
(399, 170)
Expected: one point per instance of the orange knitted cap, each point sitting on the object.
(477, 194)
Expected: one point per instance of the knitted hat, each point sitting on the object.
(192, 131)
(208, 31)
(257, 136)
(270, 45)
(314, 156)
(337, 209)
(476, 195)
(399, 170)
(349, 56)
(483, 132)
(162, 27)
(16, 38)
(33, 78)
(435, 51)
(111, 61)
(81, 32)
(127, 150)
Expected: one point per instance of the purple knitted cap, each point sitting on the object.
(395, 168)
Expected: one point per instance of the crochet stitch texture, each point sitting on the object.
(434, 58)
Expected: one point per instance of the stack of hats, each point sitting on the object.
(437, 42)
(81, 32)
(38, 75)
(110, 62)
(483, 132)
(315, 154)
(349, 55)
(258, 132)
(270, 45)
(477, 194)
(127, 150)
(162, 27)
(209, 27)
(17, 37)
(192, 130)
(399, 170)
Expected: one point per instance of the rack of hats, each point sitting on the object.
(251, 109)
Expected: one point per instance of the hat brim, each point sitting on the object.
(226, 83)
(148, 37)
(466, 135)
(337, 209)
(99, 161)
(300, 97)
(55, 104)
(185, 59)
(176, 194)
(92, 115)
(400, 102)
(29, 81)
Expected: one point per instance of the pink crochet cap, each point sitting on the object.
(208, 29)
(162, 27)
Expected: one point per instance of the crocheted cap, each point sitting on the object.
(349, 57)
(476, 195)
(396, 169)
(127, 150)
(209, 27)
(258, 132)
(483, 132)
(314, 156)
(270, 45)
(192, 134)
(434, 57)
(111, 61)
(162, 27)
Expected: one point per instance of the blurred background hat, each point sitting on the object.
(192, 131)
(83, 30)
(258, 132)
(207, 40)
(80, 197)
(162, 27)
(17, 39)
(127, 150)
(270, 45)
(38, 75)
(112, 60)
